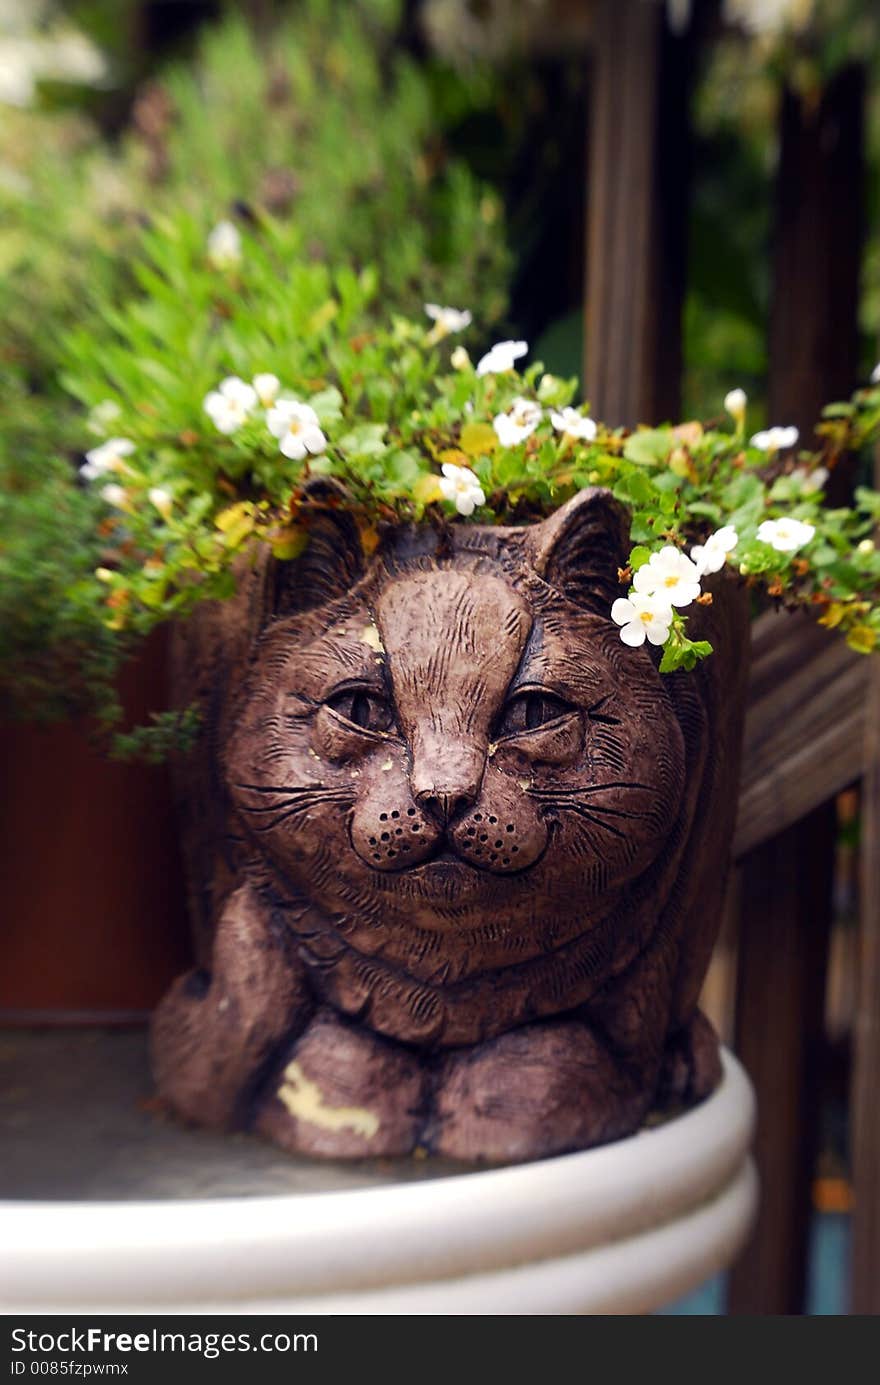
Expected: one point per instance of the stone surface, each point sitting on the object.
(79, 1121)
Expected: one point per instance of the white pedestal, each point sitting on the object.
(625, 1228)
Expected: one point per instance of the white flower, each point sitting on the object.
(670, 576)
(501, 357)
(107, 457)
(460, 360)
(641, 618)
(115, 495)
(267, 387)
(102, 416)
(224, 245)
(712, 555)
(461, 486)
(447, 320)
(574, 423)
(785, 535)
(735, 402)
(296, 427)
(161, 499)
(32, 49)
(520, 421)
(774, 439)
(229, 405)
(810, 481)
(875, 374)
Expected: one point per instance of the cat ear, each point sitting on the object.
(580, 548)
(332, 561)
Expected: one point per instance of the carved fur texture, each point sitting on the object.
(457, 854)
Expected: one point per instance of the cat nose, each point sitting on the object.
(445, 805)
(447, 772)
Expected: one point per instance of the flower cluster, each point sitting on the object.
(668, 579)
(775, 439)
(459, 485)
(293, 423)
(522, 417)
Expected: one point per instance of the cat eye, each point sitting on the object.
(530, 710)
(365, 709)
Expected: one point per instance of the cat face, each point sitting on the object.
(458, 766)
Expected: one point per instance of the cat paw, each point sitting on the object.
(344, 1093)
(540, 1090)
(691, 1064)
(214, 1031)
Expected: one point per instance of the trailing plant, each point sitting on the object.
(228, 384)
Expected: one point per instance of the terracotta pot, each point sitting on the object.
(456, 852)
(91, 882)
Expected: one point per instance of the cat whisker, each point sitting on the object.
(285, 788)
(286, 803)
(590, 789)
(580, 811)
(299, 809)
(609, 812)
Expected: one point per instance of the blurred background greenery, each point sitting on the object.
(443, 140)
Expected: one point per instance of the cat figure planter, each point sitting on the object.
(457, 853)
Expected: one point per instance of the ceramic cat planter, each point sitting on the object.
(456, 853)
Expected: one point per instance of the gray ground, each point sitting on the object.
(77, 1120)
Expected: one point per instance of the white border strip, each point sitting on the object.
(292, 1248)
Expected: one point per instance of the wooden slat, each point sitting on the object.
(785, 904)
(786, 883)
(637, 210)
(818, 228)
(804, 738)
(864, 1122)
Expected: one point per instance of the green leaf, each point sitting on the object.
(634, 489)
(680, 652)
(648, 447)
(477, 439)
(367, 440)
(672, 657)
(638, 557)
(327, 404)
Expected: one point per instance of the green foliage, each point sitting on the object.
(319, 122)
(188, 501)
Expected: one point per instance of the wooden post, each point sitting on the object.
(637, 214)
(864, 1123)
(814, 345)
(785, 907)
(786, 887)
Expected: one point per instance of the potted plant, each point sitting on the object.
(465, 670)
